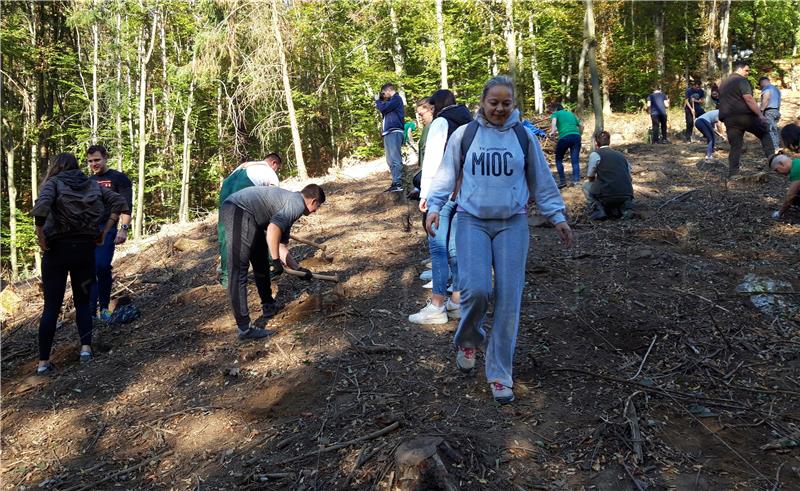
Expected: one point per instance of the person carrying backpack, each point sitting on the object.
(447, 117)
(67, 215)
(500, 167)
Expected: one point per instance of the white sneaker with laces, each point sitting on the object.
(453, 309)
(501, 393)
(465, 359)
(430, 314)
(428, 285)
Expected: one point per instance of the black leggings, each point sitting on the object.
(659, 120)
(77, 260)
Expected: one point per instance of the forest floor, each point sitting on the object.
(639, 365)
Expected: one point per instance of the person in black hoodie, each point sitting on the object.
(66, 215)
(448, 116)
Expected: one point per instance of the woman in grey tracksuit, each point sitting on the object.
(498, 178)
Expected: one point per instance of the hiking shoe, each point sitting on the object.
(501, 393)
(465, 359)
(426, 275)
(598, 214)
(269, 309)
(453, 309)
(430, 314)
(45, 370)
(394, 188)
(428, 285)
(254, 333)
(562, 185)
(86, 356)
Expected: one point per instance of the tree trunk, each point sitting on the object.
(287, 89)
(589, 34)
(606, 97)
(725, 61)
(568, 84)
(491, 41)
(183, 213)
(144, 58)
(12, 210)
(710, 35)
(118, 110)
(581, 102)
(397, 54)
(511, 40)
(538, 97)
(95, 106)
(442, 46)
(658, 22)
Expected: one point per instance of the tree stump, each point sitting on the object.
(421, 464)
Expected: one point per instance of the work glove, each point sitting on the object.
(307, 274)
(275, 267)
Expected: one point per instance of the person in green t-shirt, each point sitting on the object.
(783, 164)
(569, 129)
(408, 127)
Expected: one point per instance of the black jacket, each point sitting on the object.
(70, 206)
(456, 116)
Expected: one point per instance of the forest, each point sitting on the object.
(182, 91)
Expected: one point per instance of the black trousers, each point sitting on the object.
(246, 244)
(77, 260)
(736, 127)
(659, 120)
(690, 119)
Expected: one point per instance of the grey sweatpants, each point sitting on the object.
(481, 245)
(773, 117)
(242, 235)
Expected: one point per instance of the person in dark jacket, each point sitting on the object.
(610, 189)
(693, 106)
(790, 134)
(66, 214)
(97, 158)
(448, 116)
(390, 105)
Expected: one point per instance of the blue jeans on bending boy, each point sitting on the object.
(573, 144)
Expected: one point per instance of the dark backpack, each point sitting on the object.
(78, 210)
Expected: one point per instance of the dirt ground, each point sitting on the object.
(639, 365)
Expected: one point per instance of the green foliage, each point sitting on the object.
(339, 54)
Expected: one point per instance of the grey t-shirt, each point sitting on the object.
(270, 205)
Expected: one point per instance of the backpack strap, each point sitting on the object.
(466, 141)
(523, 138)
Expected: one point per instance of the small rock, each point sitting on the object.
(643, 254)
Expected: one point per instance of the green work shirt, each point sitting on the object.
(794, 172)
(567, 123)
(422, 140)
(407, 129)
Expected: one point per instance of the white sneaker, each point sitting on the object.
(426, 275)
(465, 359)
(428, 285)
(430, 314)
(501, 393)
(453, 309)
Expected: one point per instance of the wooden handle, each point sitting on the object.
(323, 277)
(307, 242)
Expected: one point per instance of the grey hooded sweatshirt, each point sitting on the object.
(496, 182)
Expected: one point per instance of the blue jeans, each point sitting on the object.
(708, 132)
(504, 245)
(392, 144)
(573, 144)
(443, 251)
(101, 287)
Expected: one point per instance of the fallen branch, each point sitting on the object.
(652, 343)
(342, 445)
(120, 473)
(633, 420)
(323, 277)
(308, 242)
(703, 298)
(377, 348)
(676, 198)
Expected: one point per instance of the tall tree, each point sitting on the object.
(724, 49)
(287, 89)
(442, 46)
(538, 97)
(145, 52)
(511, 40)
(397, 54)
(658, 33)
(591, 43)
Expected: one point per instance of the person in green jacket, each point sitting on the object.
(569, 129)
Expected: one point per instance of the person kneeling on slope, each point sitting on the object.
(789, 167)
(609, 191)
